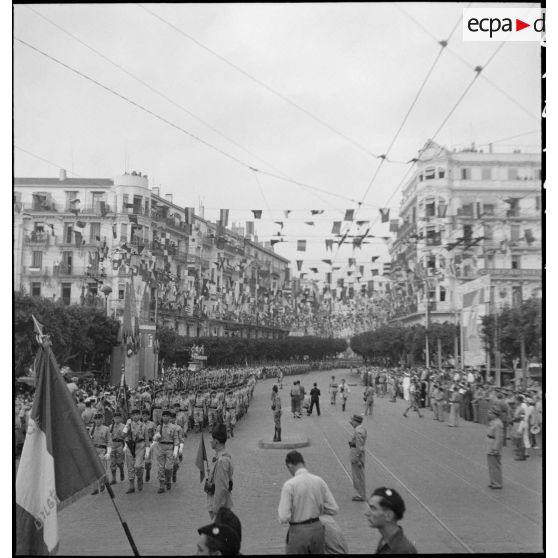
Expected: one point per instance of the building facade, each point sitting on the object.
(465, 215)
(85, 241)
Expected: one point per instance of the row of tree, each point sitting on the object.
(515, 330)
(392, 345)
(82, 337)
(222, 351)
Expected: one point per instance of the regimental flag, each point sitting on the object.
(309, 223)
(349, 214)
(58, 465)
(114, 234)
(329, 244)
(301, 245)
(385, 215)
(299, 264)
(374, 258)
(316, 211)
(201, 457)
(257, 213)
(336, 229)
(189, 215)
(329, 262)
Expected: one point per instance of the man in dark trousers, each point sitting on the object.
(315, 399)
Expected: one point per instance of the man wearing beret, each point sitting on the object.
(385, 509)
(217, 539)
(136, 437)
(357, 457)
(495, 437)
(219, 485)
(100, 435)
(167, 437)
(117, 445)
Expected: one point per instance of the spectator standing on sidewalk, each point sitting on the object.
(304, 497)
(276, 410)
(368, 400)
(315, 399)
(295, 395)
(495, 436)
(385, 510)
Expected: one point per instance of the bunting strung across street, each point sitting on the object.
(385, 215)
(374, 258)
(329, 262)
(316, 211)
(394, 225)
(301, 245)
(250, 228)
(336, 229)
(257, 213)
(286, 212)
(329, 244)
(349, 213)
(309, 223)
(299, 264)
(280, 223)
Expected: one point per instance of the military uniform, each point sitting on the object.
(100, 434)
(198, 411)
(167, 437)
(137, 438)
(117, 446)
(357, 457)
(150, 425)
(229, 413)
(178, 458)
(212, 410)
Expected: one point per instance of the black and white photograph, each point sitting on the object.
(325, 219)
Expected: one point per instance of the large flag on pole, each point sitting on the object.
(201, 457)
(58, 463)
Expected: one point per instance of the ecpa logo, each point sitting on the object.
(503, 24)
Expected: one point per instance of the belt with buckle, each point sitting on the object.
(312, 520)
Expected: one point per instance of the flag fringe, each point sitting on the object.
(80, 494)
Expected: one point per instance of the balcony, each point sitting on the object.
(40, 238)
(61, 270)
(42, 271)
(97, 210)
(505, 273)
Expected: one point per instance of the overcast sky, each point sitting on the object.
(356, 67)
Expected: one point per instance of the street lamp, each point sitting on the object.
(106, 290)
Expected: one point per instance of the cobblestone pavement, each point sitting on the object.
(441, 473)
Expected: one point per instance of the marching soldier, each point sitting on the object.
(157, 408)
(151, 431)
(230, 413)
(276, 410)
(117, 447)
(212, 409)
(206, 398)
(166, 436)
(100, 434)
(190, 408)
(182, 416)
(178, 458)
(136, 438)
(198, 411)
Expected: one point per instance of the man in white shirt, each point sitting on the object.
(304, 497)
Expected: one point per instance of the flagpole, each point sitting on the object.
(123, 523)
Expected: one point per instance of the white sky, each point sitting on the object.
(355, 66)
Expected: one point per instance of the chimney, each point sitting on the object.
(169, 197)
(156, 190)
(62, 175)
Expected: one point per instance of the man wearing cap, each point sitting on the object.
(212, 409)
(117, 447)
(178, 458)
(198, 411)
(166, 436)
(356, 444)
(495, 437)
(100, 435)
(229, 413)
(314, 399)
(217, 539)
(136, 437)
(219, 485)
(304, 497)
(385, 509)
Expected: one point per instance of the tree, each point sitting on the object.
(81, 337)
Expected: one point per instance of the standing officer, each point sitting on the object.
(117, 447)
(167, 437)
(357, 457)
(276, 410)
(151, 431)
(219, 485)
(136, 438)
(343, 392)
(178, 458)
(368, 400)
(315, 399)
(100, 435)
(495, 437)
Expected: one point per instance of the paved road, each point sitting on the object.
(440, 472)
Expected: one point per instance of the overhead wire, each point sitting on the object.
(262, 84)
(176, 126)
(46, 160)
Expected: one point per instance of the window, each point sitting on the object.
(486, 173)
(71, 196)
(37, 260)
(488, 232)
(66, 293)
(441, 173)
(431, 262)
(124, 203)
(95, 232)
(35, 289)
(429, 173)
(465, 173)
(432, 237)
(430, 209)
(488, 209)
(124, 232)
(68, 232)
(466, 210)
(515, 232)
(489, 261)
(467, 232)
(138, 202)
(421, 177)
(121, 291)
(512, 174)
(516, 262)
(442, 294)
(513, 211)
(516, 296)
(67, 259)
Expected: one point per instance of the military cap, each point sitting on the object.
(220, 433)
(166, 413)
(392, 500)
(356, 418)
(224, 534)
(98, 415)
(135, 412)
(172, 414)
(117, 414)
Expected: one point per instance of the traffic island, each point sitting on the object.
(287, 442)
